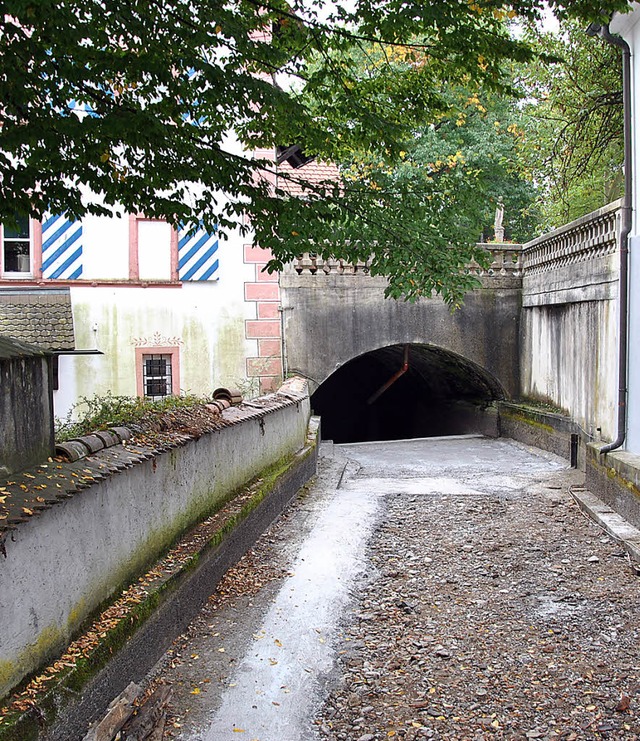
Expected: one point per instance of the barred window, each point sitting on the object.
(156, 376)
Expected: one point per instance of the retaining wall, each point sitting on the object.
(569, 321)
(59, 566)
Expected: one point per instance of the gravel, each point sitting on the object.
(483, 612)
(489, 617)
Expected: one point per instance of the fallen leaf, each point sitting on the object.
(195, 691)
(624, 704)
(27, 511)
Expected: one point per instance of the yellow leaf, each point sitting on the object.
(27, 511)
(278, 643)
(2, 499)
(195, 691)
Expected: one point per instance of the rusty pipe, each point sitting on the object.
(393, 379)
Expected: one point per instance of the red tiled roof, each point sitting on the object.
(313, 173)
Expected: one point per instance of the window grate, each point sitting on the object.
(156, 376)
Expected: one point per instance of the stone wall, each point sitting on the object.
(568, 348)
(59, 565)
(333, 312)
(26, 406)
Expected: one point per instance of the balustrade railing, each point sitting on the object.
(506, 260)
(594, 235)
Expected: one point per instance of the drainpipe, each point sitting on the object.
(393, 379)
(625, 229)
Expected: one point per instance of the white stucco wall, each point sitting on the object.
(628, 26)
(204, 319)
(569, 360)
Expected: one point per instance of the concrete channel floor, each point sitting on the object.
(438, 588)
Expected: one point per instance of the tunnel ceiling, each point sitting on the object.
(441, 372)
(354, 405)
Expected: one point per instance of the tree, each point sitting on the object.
(152, 105)
(574, 114)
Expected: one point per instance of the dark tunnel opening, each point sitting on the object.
(406, 391)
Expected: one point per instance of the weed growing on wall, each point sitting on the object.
(99, 412)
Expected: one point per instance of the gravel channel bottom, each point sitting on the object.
(484, 617)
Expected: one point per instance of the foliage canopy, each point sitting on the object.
(574, 117)
(153, 105)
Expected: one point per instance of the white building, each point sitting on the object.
(169, 312)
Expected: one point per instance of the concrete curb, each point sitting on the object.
(65, 711)
(610, 520)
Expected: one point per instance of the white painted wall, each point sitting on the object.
(204, 319)
(628, 26)
(54, 573)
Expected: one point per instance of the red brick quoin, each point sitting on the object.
(264, 293)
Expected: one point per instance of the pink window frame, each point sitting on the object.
(134, 260)
(175, 366)
(35, 233)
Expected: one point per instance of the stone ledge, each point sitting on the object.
(615, 478)
(611, 521)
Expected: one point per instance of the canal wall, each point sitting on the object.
(569, 322)
(59, 565)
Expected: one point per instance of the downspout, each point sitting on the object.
(625, 229)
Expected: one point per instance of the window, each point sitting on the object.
(153, 250)
(16, 247)
(156, 376)
(157, 372)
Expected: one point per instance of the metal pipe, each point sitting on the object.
(625, 229)
(393, 379)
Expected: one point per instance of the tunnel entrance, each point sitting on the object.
(405, 391)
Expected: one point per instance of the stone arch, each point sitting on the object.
(404, 391)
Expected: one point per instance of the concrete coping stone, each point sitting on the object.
(611, 521)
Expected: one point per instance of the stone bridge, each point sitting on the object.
(541, 326)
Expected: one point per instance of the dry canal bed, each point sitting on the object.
(443, 588)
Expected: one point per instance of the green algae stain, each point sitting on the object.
(50, 641)
(229, 361)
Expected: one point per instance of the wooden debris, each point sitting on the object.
(150, 718)
(120, 710)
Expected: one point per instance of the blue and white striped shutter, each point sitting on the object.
(197, 254)
(61, 248)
